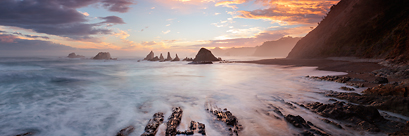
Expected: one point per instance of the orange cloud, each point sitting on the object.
(285, 11)
(7, 38)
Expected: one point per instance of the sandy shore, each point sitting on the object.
(355, 69)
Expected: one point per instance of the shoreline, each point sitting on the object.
(355, 69)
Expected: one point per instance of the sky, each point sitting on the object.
(135, 27)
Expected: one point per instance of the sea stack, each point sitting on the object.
(161, 58)
(150, 56)
(168, 58)
(205, 55)
(73, 55)
(176, 58)
(102, 56)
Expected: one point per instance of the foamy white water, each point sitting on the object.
(74, 97)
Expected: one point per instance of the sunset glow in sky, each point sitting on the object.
(134, 27)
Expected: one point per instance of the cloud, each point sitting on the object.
(113, 20)
(166, 32)
(58, 17)
(257, 39)
(11, 42)
(7, 38)
(118, 5)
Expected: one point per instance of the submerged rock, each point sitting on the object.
(347, 88)
(73, 55)
(205, 55)
(126, 131)
(103, 56)
(153, 124)
(403, 132)
(150, 56)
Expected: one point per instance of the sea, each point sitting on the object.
(57, 96)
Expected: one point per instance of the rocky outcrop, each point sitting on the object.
(73, 55)
(187, 59)
(278, 48)
(153, 124)
(309, 129)
(205, 55)
(359, 28)
(362, 117)
(150, 56)
(231, 121)
(174, 121)
(161, 58)
(176, 58)
(390, 97)
(168, 58)
(102, 56)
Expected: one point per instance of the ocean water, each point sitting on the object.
(82, 97)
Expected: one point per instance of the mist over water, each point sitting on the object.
(74, 97)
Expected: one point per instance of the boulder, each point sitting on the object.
(102, 56)
(187, 59)
(73, 55)
(161, 58)
(176, 58)
(168, 58)
(150, 56)
(205, 55)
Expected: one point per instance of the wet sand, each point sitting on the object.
(355, 69)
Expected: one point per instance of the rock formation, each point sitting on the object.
(205, 55)
(359, 28)
(153, 124)
(176, 58)
(161, 58)
(73, 55)
(102, 56)
(168, 58)
(187, 59)
(150, 56)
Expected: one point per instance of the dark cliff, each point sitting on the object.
(359, 28)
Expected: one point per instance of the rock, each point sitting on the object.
(388, 90)
(153, 124)
(176, 58)
(103, 56)
(231, 121)
(201, 62)
(356, 85)
(308, 127)
(168, 58)
(150, 56)
(296, 121)
(126, 131)
(161, 58)
(403, 132)
(364, 117)
(73, 55)
(381, 80)
(187, 59)
(389, 103)
(347, 88)
(338, 79)
(332, 123)
(155, 59)
(174, 121)
(205, 55)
